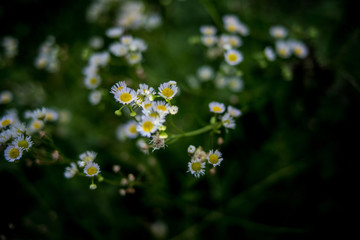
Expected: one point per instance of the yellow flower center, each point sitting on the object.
(232, 57)
(91, 171)
(5, 122)
(134, 57)
(93, 81)
(167, 92)
(146, 106)
(231, 28)
(154, 115)
(23, 144)
(49, 116)
(298, 51)
(196, 166)
(119, 88)
(282, 52)
(132, 129)
(216, 109)
(37, 125)
(209, 41)
(233, 42)
(213, 158)
(14, 153)
(147, 126)
(125, 97)
(161, 108)
(5, 98)
(88, 159)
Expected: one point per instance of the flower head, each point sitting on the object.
(91, 169)
(283, 49)
(86, 157)
(214, 157)
(269, 54)
(114, 32)
(23, 142)
(299, 49)
(125, 95)
(233, 57)
(71, 170)
(228, 121)
(13, 153)
(92, 81)
(216, 107)
(5, 97)
(191, 149)
(196, 167)
(95, 97)
(147, 126)
(233, 112)
(278, 32)
(168, 90)
(6, 121)
(208, 30)
(119, 49)
(117, 87)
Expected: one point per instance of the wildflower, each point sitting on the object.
(191, 149)
(233, 112)
(233, 57)
(130, 129)
(283, 49)
(91, 169)
(299, 49)
(23, 142)
(196, 167)
(161, 107)
(214, 157)
(36, 125)
(278, 32)
(205, 73)
(208, 30)
(143, 146)
(216, 107)
(146, 126)
(168, 90)
(114, 32)
(5, 97)
(86, 157)
(51, 115)
(13, 153)
(71, 171)
(209, 40)
(96, 42)
(127, 39)
(6, 121)
(125, 95)
(134, 57)
(10, 45)
(144, 90)
(5, 136)
(173, 110)
(118, 49)
(137, 44)
(92, 82)
(95, 97)
(269, 54)
(147, 106)
(99, 59)
(235, 84)
(17, 129)
(228, 121)
(117, 87)
(200, 154)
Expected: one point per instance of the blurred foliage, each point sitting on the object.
(287, 166)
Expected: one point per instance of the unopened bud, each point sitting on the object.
(93, 186)
(163, 135)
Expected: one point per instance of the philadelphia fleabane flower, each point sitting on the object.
(146, 126)
(117, 87)
(191, 149)
(283, 49)
(278, 32)
(114, 32)
(92, 81)
(161, 107)
(173, 110)
(6, 121)
(234, 112)
(130, 129)
(36, 125)
(13, 153)
(168, 90)
(95, 97)
(208, 30)
(23, 142)
(209, 40)
(126, 39)
(125, 95)
(5, 97)
(86, 157)
(214, 157)
(51, 115)
(91, 169)
(269, 54)
(216, 107)
(71, 170)
(5, 136)
(119, 49)
(134, 57)
(196, 167)
(205, 73)
(235, 84)
(233, 57)
(228, 121)
(298, 48)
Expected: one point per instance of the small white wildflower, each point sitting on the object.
(127, 39)
(5, 136)
(214, 157)
(130, 129)
(173, 110)
(278, 32)
(269, 54)
(71, 171)
(114, 32)
(118, 87)
(234, 112)
(86, 157)
(168, 90)
(146, 126)
(36, 125)
(235, 84)
(23, 142)
(216, 107)
(191, 149)
(92, 82)
(299, 49)
(6, 97)
(196, 167)
(125, 95)
(208, 30)
(134, 57)
(91, 169)
(209, 40)
(233, 57)
(118, 49)
(95, 97)
(96, 42)
(205, 73)
(51, 115)
(161, 107)
(6, 121)
(13, 153)
(228, 121)
(283, 49)
(99, 59)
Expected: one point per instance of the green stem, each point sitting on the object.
(207, 128)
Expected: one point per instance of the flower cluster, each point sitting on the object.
(199, 158)
(227, 120)
(6, 97)
(39, 117)
(153, 112)
(48, 56)
(284, 48)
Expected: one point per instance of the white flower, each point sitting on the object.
(10, 45)
(17, 129)
(299, 48)
(23, 142)
(5, 136)
(71, 170)
(216, 107)
(6, 121)
(234, 112)
(269, 54)
(161, 107)
(118, 49)
(114, 32)
(95, 97)
(36, 125)
(51, 115)
(134, 57)
(196, 167)
(235, 84)
(92, 81)
(147, 106)
(209, 40)
(233, 57)
(125, 95)
(283, 49)
(118, 87)
(130, 129)
(138, 44)
(96, 42)
(127, 39)
(173, 110)
(144, 90)
(13, 153)
(5, 97)
(214, 158)
(208, 30)
(205, 73)
(168, 90)
(146, 126)
(91, 169)
(86, 157)
(278, 32)
(191, 149)
(228, 121)
(99, 59)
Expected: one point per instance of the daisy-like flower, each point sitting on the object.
(130, 129)
(10, 45)
(118, 87)
(191, 149)
(168, 90)
(234, 112)
(134, 57)
(51, 115)
(147, 106)
(5, 97)
(95, 97)
(208, 30)
(233, 57)
(5, 136)
(96, 42)
(205, 73)
(114, 32)
(127, 39)
(99, 59)
(13, 153)
(269, 54)
(228, 121)
(125, 95)
(161, 107)
(17, 129)
(144, 90)
(71, 171)
(216, 107)
(86, 157)
(283, 49)
(92, 81)
(298, 48)
(23, 142)
(278, 32)
(146, 126)
(214, 157)
(36, 125)
(6, 121)
(118, 49)
(138, 44)
(209, 40)
(91, 169)
(196, 167)
(235, 84)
